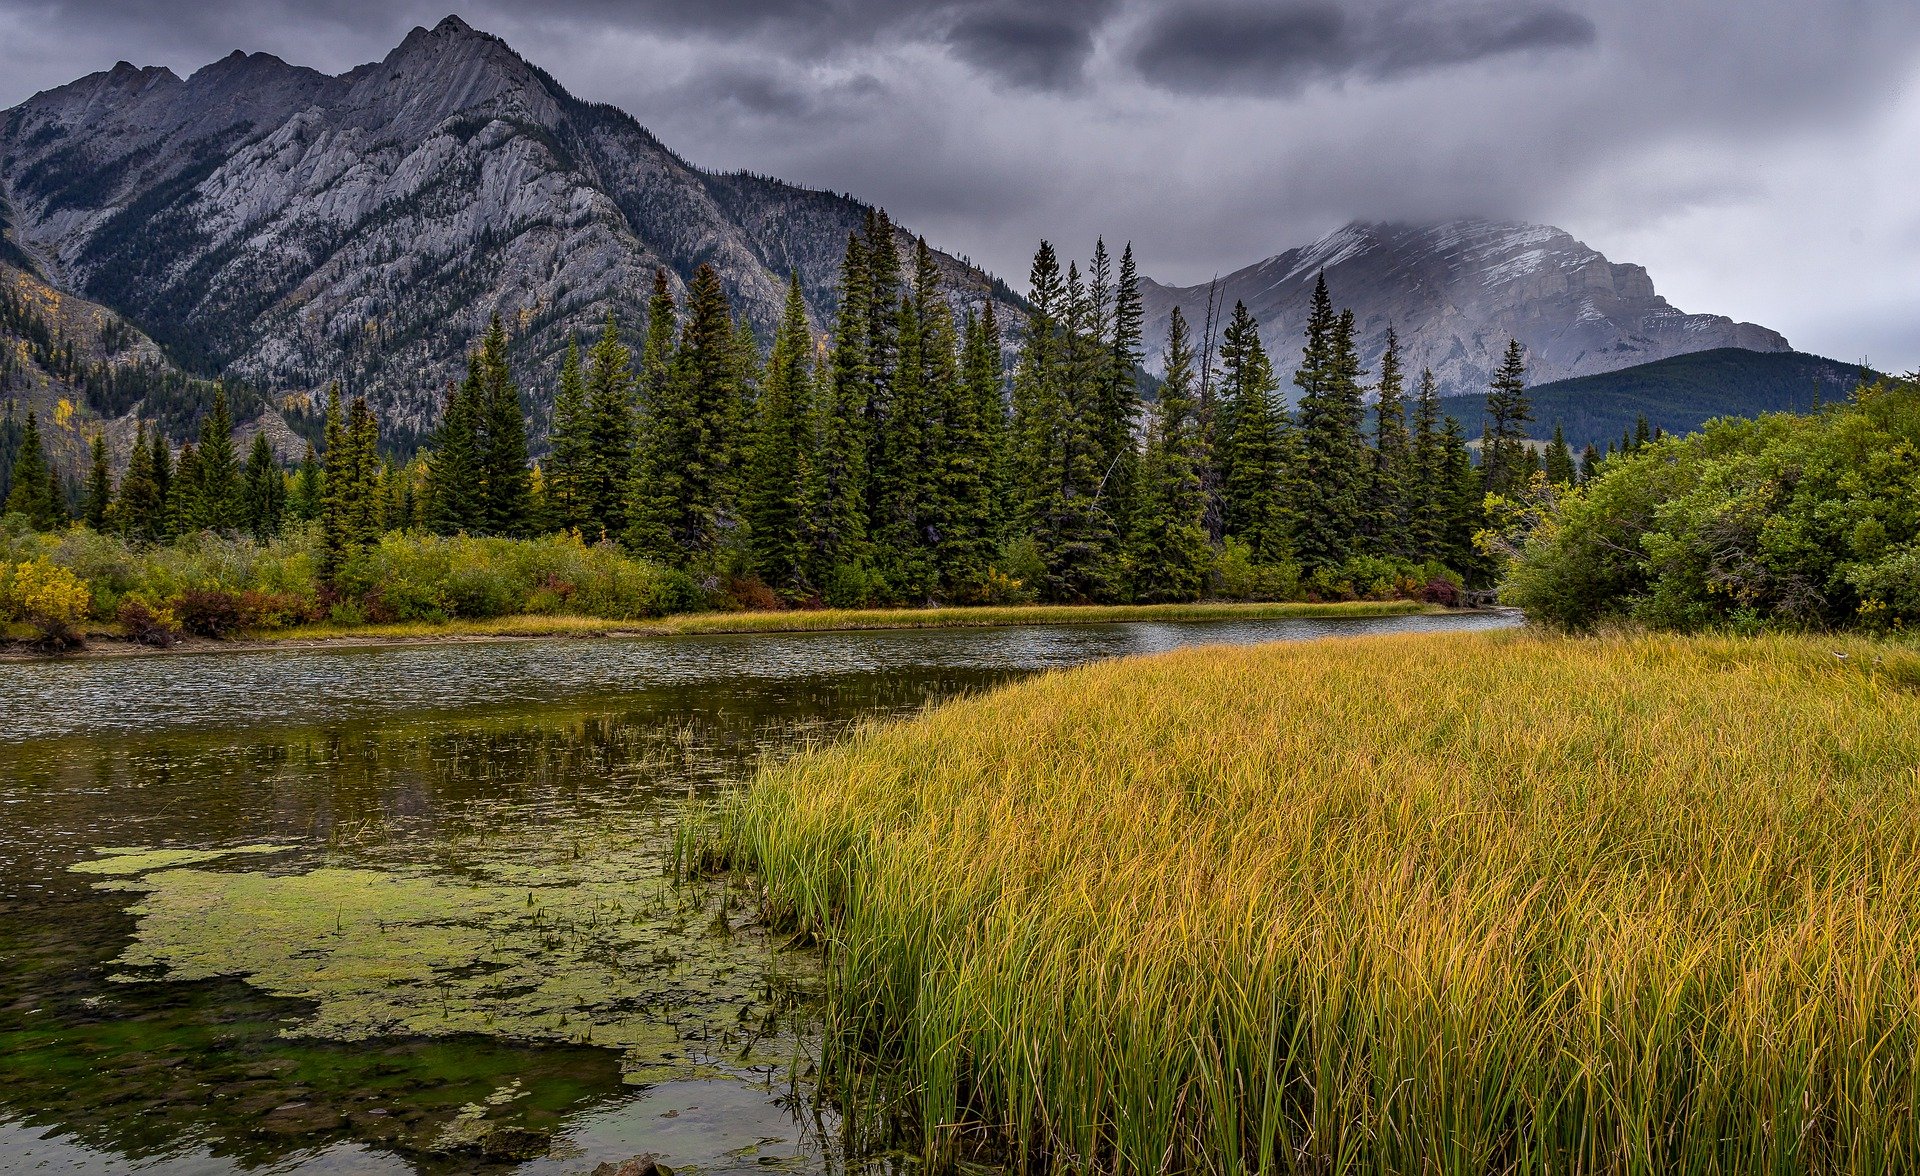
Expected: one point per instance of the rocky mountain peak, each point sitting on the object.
(1456, 291)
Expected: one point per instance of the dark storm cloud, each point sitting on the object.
(1215, 48)
(1700, 137)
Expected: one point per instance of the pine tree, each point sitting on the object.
(32, 494)
(655, 490)
(304, 502)
(99, 499)
(1119, 400)
(683, 506)
(137, 513)
(1504, 453)
(1559, 463)
(970, 425)
(1589, 462)
(569, 467)
(1464, 491)
(365, 514)
(504, 473)
(264, 491)
(774, 499)
(183, 502)
(1428, 486)
(1328, 482)
(1391, 506)
(610, 414)
(839, 493)
(1167, 551)
(213, 504)
(1250, 453)
(336, 499)
(456, 502)
(163, 485)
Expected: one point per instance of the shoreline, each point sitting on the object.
(539, 628)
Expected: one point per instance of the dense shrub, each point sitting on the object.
(146, 622)
(48, 598)
(1784, 521)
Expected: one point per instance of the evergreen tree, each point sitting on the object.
(336, 499)
(969, 426)
(774, 499)
(683, 505)
(1167, 552)
(1119, 400)
(99, 500)
(264, 490)
(655, 490)
(1250, 468)
(1428, 482)
(1464, 491)
(1392, 447)
(1328, 482)
(456, 501)
(569, 467)
(1589, 462)
(504, 474)
(33, 492)
(163, 485)
(365, 514)
(213, 504)
(183, 501)
(839, 494)
(1641, 434)
(137, 513)
(610, 414)
(304, 501)
(1504, 454)
(1559, 464)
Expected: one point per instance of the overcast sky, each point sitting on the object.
(1760, 157)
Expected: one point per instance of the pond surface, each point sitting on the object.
(410, 910)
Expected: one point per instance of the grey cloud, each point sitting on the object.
(1278, 48)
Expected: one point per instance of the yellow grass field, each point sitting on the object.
(1477, 903)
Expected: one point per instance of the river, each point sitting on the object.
(410, 909)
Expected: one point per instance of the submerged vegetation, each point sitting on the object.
(1479, 903)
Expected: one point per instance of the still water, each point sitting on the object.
(409, 909)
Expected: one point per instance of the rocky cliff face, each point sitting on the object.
(272, 223)
(1456, 292)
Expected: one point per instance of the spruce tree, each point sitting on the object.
(163, 485)
(337, 489)
(365, 509)
(1428, 495)
(99, 499)
(504, 473)
(32, 492)
(455, 496)
(214, 502)
(568, 468)
(183, 512)
(683, 506)
(1167, 552)
(610, 413)
(1589, 462)
(1250, 451)
(1559, 462)
(1329, 481)
(1464, 491)
(136, 514)
(839, 472)
(774, 499)
(303, 503)
(1504, 452)
(970, 426)
(1392, 447)
(264, 490)
(655, 489)
(1119, 399)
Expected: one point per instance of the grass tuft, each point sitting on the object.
(1454, 904)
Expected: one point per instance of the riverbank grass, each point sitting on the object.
(1462, 903)
(829, 620)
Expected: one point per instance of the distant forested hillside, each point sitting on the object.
(1676, 395)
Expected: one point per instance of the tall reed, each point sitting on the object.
(1452, 904)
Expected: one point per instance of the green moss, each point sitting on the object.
(568, 935)
(140, 861)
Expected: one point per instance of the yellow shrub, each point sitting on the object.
(50, 598)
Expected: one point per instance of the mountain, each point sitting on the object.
(276, 225)
(1455, 293)
(1677, 395)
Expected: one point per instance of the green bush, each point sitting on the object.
(1785, 521)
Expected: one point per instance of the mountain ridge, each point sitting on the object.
(1455, 292)
(281, 226)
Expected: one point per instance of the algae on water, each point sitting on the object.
(554, 933)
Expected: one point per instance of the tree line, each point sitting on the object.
(896, 456)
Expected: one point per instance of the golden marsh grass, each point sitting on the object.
(1452, 904)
